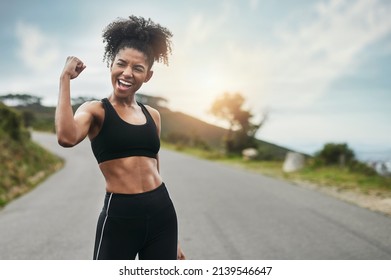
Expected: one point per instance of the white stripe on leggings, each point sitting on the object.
(103, 227)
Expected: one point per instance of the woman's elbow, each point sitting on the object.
(65, 142)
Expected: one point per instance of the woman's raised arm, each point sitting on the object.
(71, 129)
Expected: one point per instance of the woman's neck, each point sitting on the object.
(128, 101)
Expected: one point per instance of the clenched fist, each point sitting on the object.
(73, 67)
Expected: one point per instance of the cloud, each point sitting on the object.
(306, 58)
(254, 4)
(290, 74)
(291, 71)
(38, 51)
(201, 27)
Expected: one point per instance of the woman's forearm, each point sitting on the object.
(66, 127)
(64, 121)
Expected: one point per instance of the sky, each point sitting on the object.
(320, 70)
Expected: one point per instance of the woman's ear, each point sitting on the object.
(149, 76)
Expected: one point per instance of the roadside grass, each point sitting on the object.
(344, 179)
(337, 177)
(23, 165)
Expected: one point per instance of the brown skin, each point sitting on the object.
(129, 71)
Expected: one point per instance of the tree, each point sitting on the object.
(334, 154)
(342, 155)
(241, 131)
(21, 99)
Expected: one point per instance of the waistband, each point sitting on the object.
(137, 205)
(160, 188)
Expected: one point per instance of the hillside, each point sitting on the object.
(178, 123)
(177, 126)
(23, 164)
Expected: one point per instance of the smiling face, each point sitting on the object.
(129, 70)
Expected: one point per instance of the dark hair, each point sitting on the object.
(136, 32)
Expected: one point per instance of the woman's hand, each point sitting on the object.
(181, 255)
(73, 67)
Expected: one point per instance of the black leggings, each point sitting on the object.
(143, 224)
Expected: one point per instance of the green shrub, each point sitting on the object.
(359, 167)
(334, 154)
(11, 124)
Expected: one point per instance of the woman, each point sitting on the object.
(138, 216)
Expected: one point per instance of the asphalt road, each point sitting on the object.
(224, 213)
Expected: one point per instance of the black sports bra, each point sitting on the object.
(119, 139)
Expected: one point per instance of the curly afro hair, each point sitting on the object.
(136, 32)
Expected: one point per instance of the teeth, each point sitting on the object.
(125, 83)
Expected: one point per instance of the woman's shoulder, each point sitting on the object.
(92, 107)
(152, 111)
(155, 116)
